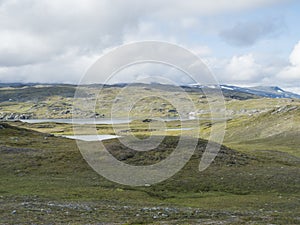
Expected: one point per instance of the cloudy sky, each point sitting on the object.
(248, 42)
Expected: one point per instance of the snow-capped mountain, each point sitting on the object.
(263, 91)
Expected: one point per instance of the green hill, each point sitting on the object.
(45, 179)
(277, 129)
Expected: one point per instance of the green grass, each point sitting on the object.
(54, 101)
(45, 178)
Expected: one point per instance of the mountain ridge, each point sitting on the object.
(264, 91)
(261, 91)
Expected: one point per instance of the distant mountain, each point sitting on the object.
(228, 90)
(263, 91)
(15, 84)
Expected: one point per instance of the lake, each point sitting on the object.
(111, 121)
(79, 121)
(91, 137)
(179, 129)
(90, 121)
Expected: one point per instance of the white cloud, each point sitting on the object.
(243, 68)
(151, 72)
(294, 90)
(189, 22)
(146, 30)
(246, 70)
(295, 55)
(248, 33)
(175, 8)
(251, 70)
(66, 68)
(20, 48)
(201, 50)
(291, 73)
(55, 40)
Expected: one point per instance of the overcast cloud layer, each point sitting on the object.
(250, 42)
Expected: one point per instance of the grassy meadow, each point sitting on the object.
(253, 180)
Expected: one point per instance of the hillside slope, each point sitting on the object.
(277, 129)
(45, 179)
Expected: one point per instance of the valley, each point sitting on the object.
(44, 178)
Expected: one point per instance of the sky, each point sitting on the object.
(246, 43)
